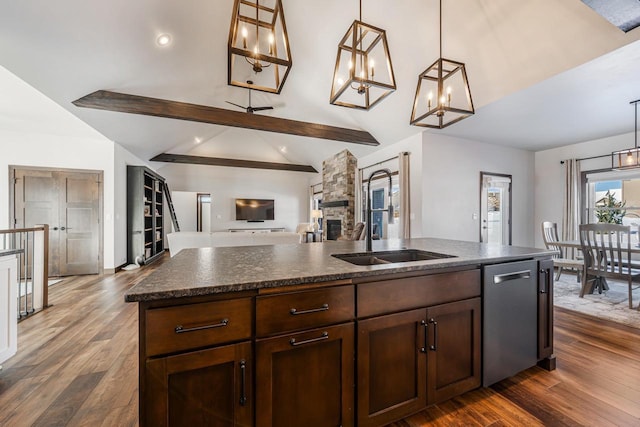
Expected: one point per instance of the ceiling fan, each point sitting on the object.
(250, 109)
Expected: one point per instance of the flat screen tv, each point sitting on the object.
(254, 210)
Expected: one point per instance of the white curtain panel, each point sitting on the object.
(571, 202)
(405, 199)
(358, 196)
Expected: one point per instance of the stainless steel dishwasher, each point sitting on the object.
(509, 328)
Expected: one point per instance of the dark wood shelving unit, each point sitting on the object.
(145, 205)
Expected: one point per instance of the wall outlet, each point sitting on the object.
(474, 216)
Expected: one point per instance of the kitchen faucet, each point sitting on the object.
(370, 211)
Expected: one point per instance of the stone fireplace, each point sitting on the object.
(339, 193)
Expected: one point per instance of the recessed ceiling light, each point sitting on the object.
(163, 39)
(283, 149)
(197, 140)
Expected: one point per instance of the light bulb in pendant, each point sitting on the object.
(244, 37)
(271, 40)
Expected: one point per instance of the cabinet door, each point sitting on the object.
(306, 379)
(391, 367)
(203, 388)
(453, 349)
(545, 309)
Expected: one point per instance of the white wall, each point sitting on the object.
(549, 175)
(451, 187)
(413, 145)
(186, 207)
(290, 190)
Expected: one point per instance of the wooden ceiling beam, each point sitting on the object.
(125, 103)
(236, 163)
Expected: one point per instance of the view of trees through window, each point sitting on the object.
(614, 201)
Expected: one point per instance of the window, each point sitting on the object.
(613, 197)
(380, 205)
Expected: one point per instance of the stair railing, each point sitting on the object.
(33, 266)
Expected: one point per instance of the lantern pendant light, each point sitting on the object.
(363, 74)
(629, 158)
(258, 49)
(442, 95)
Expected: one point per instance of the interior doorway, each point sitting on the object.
(70, 202)
(495, 208)
(204, 212)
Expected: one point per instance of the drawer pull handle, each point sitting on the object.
(179, 329)
(295, 312)
(501, 278)
(324, 336)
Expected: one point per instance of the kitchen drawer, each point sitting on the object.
(191, 326)
(302, 310)
(389, 296)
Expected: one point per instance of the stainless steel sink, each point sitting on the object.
(390, 257)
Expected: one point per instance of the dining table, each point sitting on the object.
(600, 282)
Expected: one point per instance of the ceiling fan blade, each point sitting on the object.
(260, 108)
(135, 104)
(237, 105)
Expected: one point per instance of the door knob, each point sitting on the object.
(55, 228)
(62, 228)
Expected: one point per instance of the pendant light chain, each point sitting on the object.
(257, 27)
(440, 28)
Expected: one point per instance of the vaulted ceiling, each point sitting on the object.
(543, 73)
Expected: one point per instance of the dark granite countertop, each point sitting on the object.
(4, 252)
(194, 272)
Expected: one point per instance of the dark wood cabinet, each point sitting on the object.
(145, 205)
(545, 314)
(453, 349)
(306, 379)
(211, 387)
(415, 358)
(403, 341)
(392, 367)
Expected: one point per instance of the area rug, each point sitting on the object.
(610, 305)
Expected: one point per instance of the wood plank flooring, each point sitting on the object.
(77, 365)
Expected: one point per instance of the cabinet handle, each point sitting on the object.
(324, 336)
(435, 335)
(295, 312)
(180, 329)
(543, 282)
(425, 325)
(243, 375)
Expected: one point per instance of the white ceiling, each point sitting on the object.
(536, 68)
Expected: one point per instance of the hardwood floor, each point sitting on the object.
(77, 365)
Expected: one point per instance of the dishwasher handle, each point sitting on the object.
(501, 278)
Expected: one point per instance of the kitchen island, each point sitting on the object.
(290, 335)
